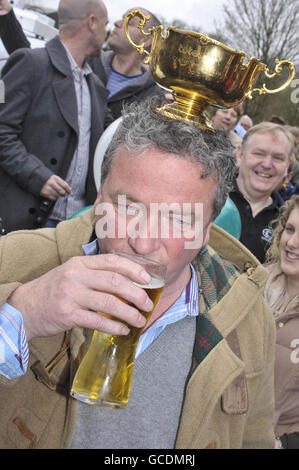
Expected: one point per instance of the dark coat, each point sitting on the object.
(13, 37)
(39, 131)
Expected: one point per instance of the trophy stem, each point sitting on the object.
(189, 109)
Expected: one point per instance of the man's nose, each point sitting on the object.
(118, 23)
(144, 241)
(144, 246)
(267, 161)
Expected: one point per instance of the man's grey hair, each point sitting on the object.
(142, 127)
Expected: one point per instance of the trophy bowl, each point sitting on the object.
(200, 71)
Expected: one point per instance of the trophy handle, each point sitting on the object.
(140, 26)
(277, 71)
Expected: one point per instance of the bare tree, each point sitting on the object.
(266, 29)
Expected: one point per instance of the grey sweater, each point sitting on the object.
(152, 416)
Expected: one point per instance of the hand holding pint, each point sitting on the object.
(104, 377)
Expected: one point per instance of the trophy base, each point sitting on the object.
(186, 109)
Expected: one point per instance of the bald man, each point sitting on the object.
(121, 68)
(54, 113)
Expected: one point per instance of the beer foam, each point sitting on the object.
(154, 284)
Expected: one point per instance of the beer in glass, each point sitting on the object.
(105, 374)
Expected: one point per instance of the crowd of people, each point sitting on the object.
(219, 366)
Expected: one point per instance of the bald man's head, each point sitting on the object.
(71, 13)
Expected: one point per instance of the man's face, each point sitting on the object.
(246, 123)
(117, 39)
(263, 163)
(153, 178)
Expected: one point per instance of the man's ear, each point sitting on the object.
(239, 155)
(91, 22)
(98, 199)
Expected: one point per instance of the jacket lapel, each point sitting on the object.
(210, 380)
(218, 371)
(96, 90)
(63, 86)
(72, 234)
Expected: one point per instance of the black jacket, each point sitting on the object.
(39, 131)
(13, 38)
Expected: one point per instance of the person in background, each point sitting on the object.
(282, 294)
(226, 119)
(246, 122)
(126, 77)
(55, 110)
(120, 68)
(243, 125)
(263, 159)
(11, 32)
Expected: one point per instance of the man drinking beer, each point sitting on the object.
(203, 375)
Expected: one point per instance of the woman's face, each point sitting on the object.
(289, 246)
(225, 119)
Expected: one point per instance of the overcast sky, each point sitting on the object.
(193, 12)
(201, 13)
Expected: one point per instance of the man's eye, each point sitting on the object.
(182, 222)
(289, 229)
(133, 209)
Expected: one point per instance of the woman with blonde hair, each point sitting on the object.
(282, 294)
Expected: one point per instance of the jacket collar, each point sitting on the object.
(58, 56)
(224, 267)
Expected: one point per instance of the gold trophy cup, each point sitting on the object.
(201, 71)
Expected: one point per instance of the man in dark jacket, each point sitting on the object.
(50, 123)
(263, 159)
(126, 77)
(120, 68)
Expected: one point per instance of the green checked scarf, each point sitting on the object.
(217, 275)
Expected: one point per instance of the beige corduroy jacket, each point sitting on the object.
(229, 397)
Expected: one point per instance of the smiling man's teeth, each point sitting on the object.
(264, 175)
(292, 256)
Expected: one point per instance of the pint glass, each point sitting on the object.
(105, 374)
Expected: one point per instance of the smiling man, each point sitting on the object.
(264, 158)
(203, 376)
